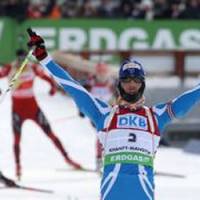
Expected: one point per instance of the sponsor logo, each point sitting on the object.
(127, 157)
(131, 65)
(132, 121)
(130, 157)
(77, 38)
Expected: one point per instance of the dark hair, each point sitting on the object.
(20, 52)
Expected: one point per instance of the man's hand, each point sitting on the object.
(37, 42)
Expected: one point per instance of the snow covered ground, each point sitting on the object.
(44, 168)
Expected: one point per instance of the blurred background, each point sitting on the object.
(162, 34)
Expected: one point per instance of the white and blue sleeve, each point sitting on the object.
(177, 108)
(93, 108)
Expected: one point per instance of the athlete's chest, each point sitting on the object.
(126, 119)
(130, 131)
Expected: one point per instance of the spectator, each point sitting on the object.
(160, 8)
(133, 9)
(55, 12)
(16, 9)
(174, 10)
(2, 7)
(70, 9)
(125, 9)
(192, 10)
(87, 9)
(106, 9)
(34, 10)
(52, 9)
(147, 7)
(138, 12)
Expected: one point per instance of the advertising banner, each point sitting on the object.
(100, 34)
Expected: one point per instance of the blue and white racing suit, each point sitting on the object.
(130, 138)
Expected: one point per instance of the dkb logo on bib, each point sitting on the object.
(132, 121)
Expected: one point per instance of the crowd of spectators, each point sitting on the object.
(131, 9)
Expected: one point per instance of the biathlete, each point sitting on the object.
(25, 107)
(129, 131)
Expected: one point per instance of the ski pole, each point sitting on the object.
(31, 189)
(16, 75)
(34, 189)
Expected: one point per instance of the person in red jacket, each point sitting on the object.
(25, 106)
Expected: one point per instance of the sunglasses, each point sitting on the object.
(129, 79)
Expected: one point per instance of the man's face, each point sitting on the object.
(20, 58)
(131, 85)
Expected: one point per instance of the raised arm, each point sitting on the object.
(85, 102)
(177, 108)
(43, 75)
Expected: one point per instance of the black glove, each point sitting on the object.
(37, 42)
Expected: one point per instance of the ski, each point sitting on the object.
(171, 175)
(31, 189)
(77, 170)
